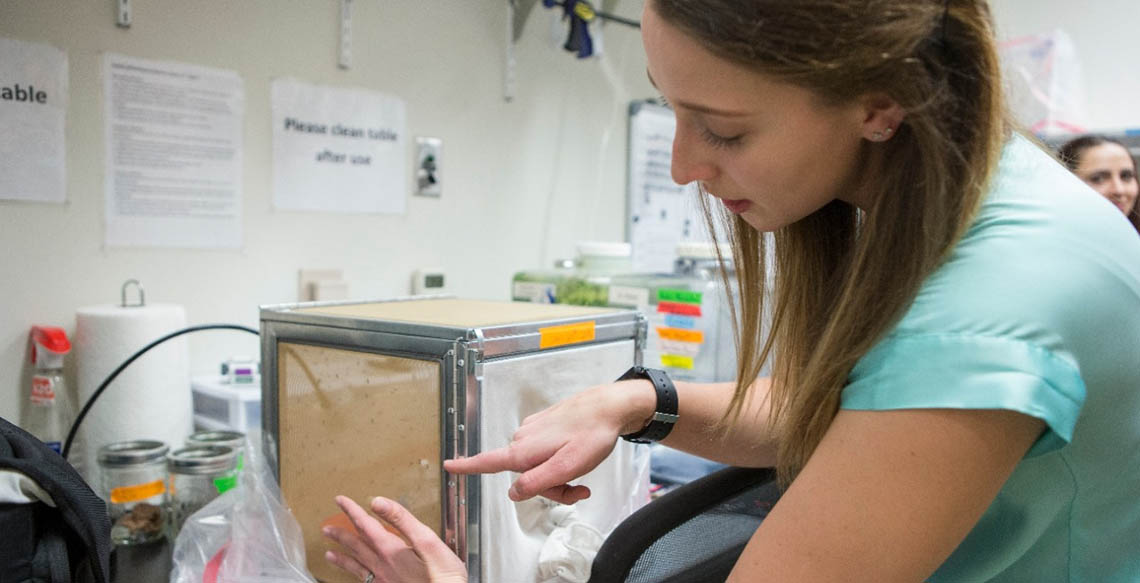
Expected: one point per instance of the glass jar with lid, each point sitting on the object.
(198, 474)
(134, 485)
(234, 440)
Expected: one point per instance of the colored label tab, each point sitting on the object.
(680, 335)
(225, 483)
(683, 296)
(553, 336)
(228, 481)
(678, 348)
(675, 361)
(679, 308)
(125, 494)
(675, 321)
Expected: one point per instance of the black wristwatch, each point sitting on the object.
(665, 414)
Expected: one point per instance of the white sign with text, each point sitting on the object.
(173, 133)
(338, 150)
(33, 115)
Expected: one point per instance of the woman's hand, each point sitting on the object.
(416, 557)
(566, 441)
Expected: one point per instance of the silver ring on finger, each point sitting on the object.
(370, 578)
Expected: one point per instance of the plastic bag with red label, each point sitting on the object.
(245, 535)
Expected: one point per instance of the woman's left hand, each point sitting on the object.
(419, 556)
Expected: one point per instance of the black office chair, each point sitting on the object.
(693, 534)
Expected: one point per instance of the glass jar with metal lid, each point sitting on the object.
(134, 485)
(197, 475)
(231, 439)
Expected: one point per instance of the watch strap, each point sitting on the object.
(665, 413)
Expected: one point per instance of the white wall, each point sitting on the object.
(1105, 33)
(522, 180)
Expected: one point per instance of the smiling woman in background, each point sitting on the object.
(947, 400)
(1106, 165)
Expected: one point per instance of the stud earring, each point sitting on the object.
(877, 137)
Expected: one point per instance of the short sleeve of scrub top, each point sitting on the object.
(1036, 310)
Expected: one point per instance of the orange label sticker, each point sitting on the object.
(553, 336)
(682, 335)
(676, 361)
(125, 494)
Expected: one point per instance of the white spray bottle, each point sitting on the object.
(50, 412)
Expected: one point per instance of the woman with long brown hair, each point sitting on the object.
(947, 401)
(1108, 167)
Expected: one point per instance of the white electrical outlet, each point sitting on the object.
(429, 180)
(429, 281)
(123, 14)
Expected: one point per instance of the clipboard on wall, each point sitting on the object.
(660, 213)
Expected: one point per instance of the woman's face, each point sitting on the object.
(1109, 169)
(770, 151)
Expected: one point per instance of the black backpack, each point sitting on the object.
(41, 544)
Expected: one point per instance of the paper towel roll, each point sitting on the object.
(150, 399)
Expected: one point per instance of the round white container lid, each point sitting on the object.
(703, 249)
(604, 249)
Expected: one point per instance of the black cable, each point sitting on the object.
(103, 386)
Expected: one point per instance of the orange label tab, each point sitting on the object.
(125, 494)
(553, 336)
(682, 335)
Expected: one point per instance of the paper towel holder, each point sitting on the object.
(123, 294)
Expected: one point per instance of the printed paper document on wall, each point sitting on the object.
(173, 135)
(661, 212)
(33, 115)
(338, 150)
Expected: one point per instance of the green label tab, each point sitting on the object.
(679, 295)
(228, 481)
(225, 483)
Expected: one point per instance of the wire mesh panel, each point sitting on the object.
(358, 424)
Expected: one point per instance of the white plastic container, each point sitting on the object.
(220, 405)
(690, 324)
(584, 284)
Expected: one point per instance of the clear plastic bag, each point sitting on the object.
(1044, 83)
(246, 535)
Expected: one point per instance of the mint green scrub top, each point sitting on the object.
(1037, 310)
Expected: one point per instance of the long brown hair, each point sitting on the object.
(842, 277)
